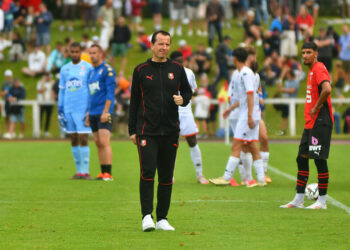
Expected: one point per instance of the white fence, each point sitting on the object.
(222, 122)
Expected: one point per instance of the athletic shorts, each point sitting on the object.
(177, 14)
(188, 126)
(233, 125)
(76, 124)
(193, 12)
(155, 8)
(95, 123)
(118, 49)
(244, 133)
(316, 142)
(18, 117)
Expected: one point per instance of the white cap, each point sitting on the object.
(182, 43)
(250, 13)
(95, 38)
(8, 73)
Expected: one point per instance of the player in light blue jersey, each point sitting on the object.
(73, 98)
(102, 88)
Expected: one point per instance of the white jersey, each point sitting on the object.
(247, 84)
(233, 95)
(187, 110)
(256, 96)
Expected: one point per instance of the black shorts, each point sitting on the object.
(316, 142)
(95, 123)
(155, 8)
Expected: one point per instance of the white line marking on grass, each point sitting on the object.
(331, 200)
(126, 201)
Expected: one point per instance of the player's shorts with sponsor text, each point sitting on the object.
(96, 124)
(76, 124)
(188, 126)
(244, 133)
(316, 142)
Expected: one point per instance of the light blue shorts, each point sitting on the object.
(76, 124)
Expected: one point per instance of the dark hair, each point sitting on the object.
(163, 32)
(310, 45)
(85, 36)
(241, 54)
(97, 46)
(175, 54)
(75, 45)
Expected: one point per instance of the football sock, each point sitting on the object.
(265, 157)
(106, 168)
(323, 176)
(322, 199)
(77, 158)
(85, 157)
(231, 166)
(303, 174)
(259, 170)
(241, 171)
(247, 163)
(197, 159)
(298, 199)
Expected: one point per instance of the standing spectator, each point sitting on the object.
(177, 15)
(15, 94)
(117, 9)
(119, 42)
(136, 13)
(68, 12)
(29, 25)
(43, 22)
(201, 111)
(344, 55)
(9, 9)
(193, 16)
(289, 46)
(44, 94)
(56, 59)
(313, 8)
(156, 10)
(305, 22)
(324, 44)
(6, 85)
(200, 60)
(213, 109)
(290, 90)
(240, 8)
(90, 14)
(272, 43)
(339, 79)
(106, 20)
(214, 14)
(154, 126)
(226, 4)
(122, 96)
(36, 63)
(222, 53)
(252, 29)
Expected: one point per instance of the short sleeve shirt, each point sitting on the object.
(316, 77)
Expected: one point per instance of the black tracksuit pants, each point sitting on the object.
(156, 153)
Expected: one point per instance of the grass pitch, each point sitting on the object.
(40, 208)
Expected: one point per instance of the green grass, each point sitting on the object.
(135, 56)
(41, 209)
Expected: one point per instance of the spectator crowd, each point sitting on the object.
(26, 30)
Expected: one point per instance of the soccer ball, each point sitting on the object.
(311, 191)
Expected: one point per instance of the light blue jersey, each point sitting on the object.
(73, 87)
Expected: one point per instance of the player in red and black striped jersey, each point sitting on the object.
(316, 138)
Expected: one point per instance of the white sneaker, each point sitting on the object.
(317, 205)
(199, 32)
(61, 27)
(292, 205)
(259, 42)
(9, 136)
(164, 225)
(171, 31)
(190, 33)
(148, 224)
(205, 33)
(20, 136)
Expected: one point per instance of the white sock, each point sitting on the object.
(298, 199)
(197, 159)
(259, 170)
(241, 171)
(231, 166)
(322, 199)
(265, 157)
(247, 163)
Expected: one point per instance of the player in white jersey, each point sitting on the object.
(188, 127)
(247, 129)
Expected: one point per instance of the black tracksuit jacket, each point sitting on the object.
(152, 107)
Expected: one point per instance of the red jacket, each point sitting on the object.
(137, 7)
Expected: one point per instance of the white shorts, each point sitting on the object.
(177, 14)
(188, 126)
(244, 133)
(192, 12)
(233, 125)
(76, 124)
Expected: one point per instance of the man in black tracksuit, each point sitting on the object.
(159, 86)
